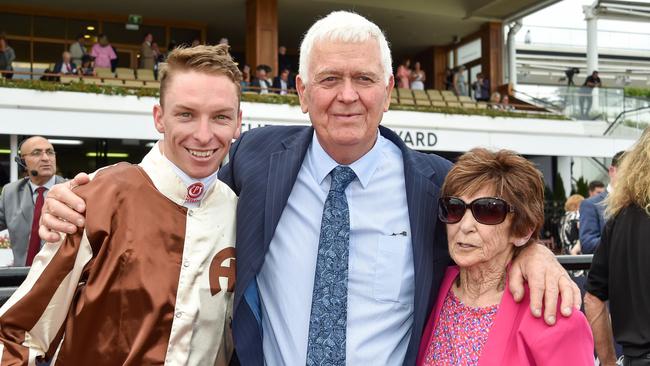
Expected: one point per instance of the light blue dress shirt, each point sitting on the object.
(381, 273)
(48, 185)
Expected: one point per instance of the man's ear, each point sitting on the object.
(300, 87)
(157, 118)
(238, 129)
(389, 90)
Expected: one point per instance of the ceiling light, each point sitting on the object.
(90, 28)
(65, 142)
(5, 151)
(108, 155)
(87, 36)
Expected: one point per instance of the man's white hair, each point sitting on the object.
(344, 26)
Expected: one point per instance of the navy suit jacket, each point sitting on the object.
(592, 222)
(263, 167)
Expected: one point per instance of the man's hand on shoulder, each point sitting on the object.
(546, 280)
(62, 210)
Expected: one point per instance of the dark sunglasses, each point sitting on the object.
(486, 210)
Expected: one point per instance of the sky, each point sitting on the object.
(568, 13)
(549, 26)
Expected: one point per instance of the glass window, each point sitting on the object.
(184, 36)
(15, 24)
(124, 59)
(80, 26)
(469, 51)
(117, 33)
(48, 52)
(21, 48)
(49, 27)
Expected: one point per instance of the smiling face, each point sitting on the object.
(345, 97)
(474, 244)
(199, 118)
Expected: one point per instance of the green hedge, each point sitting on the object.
(638, 92)
(252, 97)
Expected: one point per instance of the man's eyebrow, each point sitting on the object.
(182, 106)
(327, 72)
(225, 110)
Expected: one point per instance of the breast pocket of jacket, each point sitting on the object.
(394, 273)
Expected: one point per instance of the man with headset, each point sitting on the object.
(21, 201)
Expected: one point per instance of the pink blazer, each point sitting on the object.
(518, 338)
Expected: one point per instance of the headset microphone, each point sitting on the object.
(21, 163)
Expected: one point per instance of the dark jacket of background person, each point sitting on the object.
(592, 222)
(256, 86)
(278, 85)
(620, 272)
(6, 58)
(59, 68)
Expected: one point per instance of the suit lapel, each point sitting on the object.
(284, 166)
(26, 203)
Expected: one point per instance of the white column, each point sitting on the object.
(591, 17)
(13, 167)
(564, 170)
(512, 53)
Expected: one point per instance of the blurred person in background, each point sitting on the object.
(460, 83)
(148, 54)
(596, 187)
(103, 52)
(403, 74)
(418, 76)
(21, 201)
(619, 271)
(260, 83)
(569, 225)
(245, 78)
(7, 57)
(586, 90)
(283, 83)
(86, 68)
(481, 88)
(78, 49)
(65, 66)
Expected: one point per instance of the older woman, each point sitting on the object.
(492, 205)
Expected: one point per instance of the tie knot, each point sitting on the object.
(40, 190)
(342, 176)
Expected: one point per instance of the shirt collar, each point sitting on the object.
(48, 185)
(165, 176)
(364, 167)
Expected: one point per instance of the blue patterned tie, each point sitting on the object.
(329, 304)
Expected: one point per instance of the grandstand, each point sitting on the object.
(110, 111)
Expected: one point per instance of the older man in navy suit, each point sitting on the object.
(339, 252)
(297, 299)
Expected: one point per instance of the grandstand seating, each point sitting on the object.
(434, 98)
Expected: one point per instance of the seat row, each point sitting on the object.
(111, 81)
(433, 97)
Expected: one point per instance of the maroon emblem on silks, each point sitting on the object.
(219, 269)
(194, 192)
